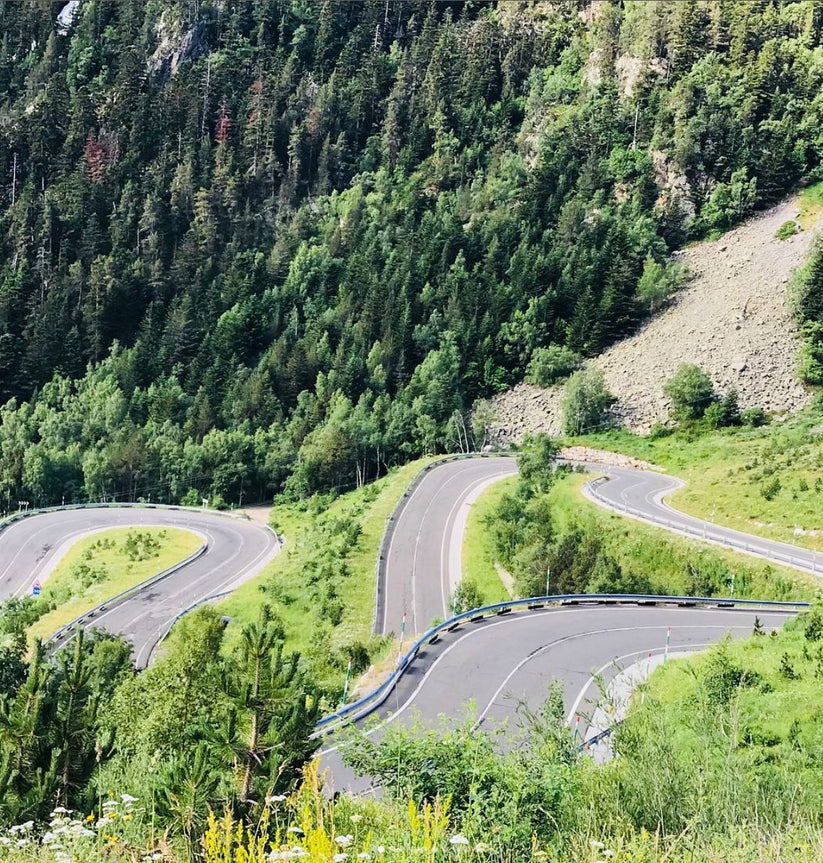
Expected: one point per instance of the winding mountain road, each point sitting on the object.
(497, 663)
(235, 551)
(500, 664)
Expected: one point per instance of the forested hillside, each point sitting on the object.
(249, 246)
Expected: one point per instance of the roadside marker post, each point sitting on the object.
(548, 578)
(346, 684)
(402, 636)
(668, 640)
(576, 735)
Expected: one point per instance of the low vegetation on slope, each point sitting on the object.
(322, 582)
(720, 762)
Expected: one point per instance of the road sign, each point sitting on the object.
(35, 589)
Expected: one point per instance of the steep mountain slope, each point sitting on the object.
(732, 319)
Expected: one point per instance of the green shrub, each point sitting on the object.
(787, 229)
(586, 402)
(551, 364)
(659, 282)
(753, 417)
(691, 392)
(771, 489)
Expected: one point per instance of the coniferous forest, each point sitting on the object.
(256, 247)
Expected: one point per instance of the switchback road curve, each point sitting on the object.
(500, 664)
(235, 550)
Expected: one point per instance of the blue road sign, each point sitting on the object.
(35, 589)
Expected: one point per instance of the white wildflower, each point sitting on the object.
(294, 829)
(356, 818)
(4, 840)
(381, 849)
(338, 858)
(297, 851)
(481, 848)
(109, 804)
(127, 799)
(608, 853)
(344, 840)
(48, 836)
(364, 855)
(60, 810)
(457, 839)
(275, 798)
(21, 843)
(596, 845)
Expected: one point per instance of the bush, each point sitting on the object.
(786, 230)
(466, 596)
(771, 489)
(659, 282)
(690, 390)
(551, 364)
(753, 417)
(586, 402)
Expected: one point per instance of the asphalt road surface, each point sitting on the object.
(236, 550)
(423, 561)
(491, 669)
(640, 494)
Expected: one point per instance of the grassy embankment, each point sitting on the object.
(479, 558)
(322, 583)
(103, 564)
(736, 731)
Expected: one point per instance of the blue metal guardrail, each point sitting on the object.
(366, 705)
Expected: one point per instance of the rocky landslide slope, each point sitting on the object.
(732, 319)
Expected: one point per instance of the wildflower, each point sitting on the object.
(275, 798)
(4, 840)
(128, 799)
(608, 853)
(297, 851)
(60, 810)
(364, 855)
(90, 816)
(344, 840)
(338, 858)
(21, 843)
(381, 849)
(127, 817)
(457, 839)
(48, 836)
(596, 845)
(108, 804)
(481, 848)
(356, 818)
(294, 829)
